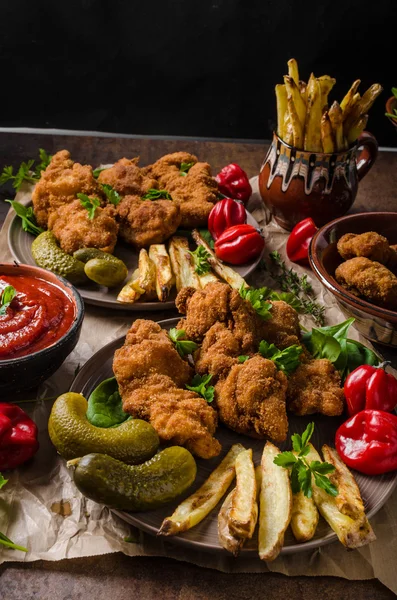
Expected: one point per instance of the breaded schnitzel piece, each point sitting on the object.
(369, 279)
(368, 245)
(283, 328)
(74, 229)
(218, 352)
(195, 192)
(152, 377)
(315, 387)
(251, 400)
(145, 222)
(59, 184)
(127, 178)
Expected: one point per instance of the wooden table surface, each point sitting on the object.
(115, 575)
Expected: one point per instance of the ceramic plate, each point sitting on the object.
(375, 490)
(19, 242)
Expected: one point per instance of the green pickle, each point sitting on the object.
(48, 255)
(102, 267)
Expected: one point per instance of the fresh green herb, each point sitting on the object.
(200, 386)
(200, 257)
(290, 282)
(111, 194)
(132, 539)
(258, 298)
(23, 174)
(45, 160)
(154, 194)
(6, 298)
(183, 346)
(287, 360)
(91, 204)
(185, 167)
(393, 116)
(242, 358)
(4, 540)
(105, 407)
(301, 470)
(357, 355)
(205, 234)
(29, 223)
(96, 172)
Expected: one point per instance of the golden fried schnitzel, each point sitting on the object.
(368, 245)
(127, 178)
(369, 279)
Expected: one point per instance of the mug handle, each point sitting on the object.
(368, 147)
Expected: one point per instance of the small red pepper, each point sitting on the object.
(226, 212)
(299, 240)
(367, 442)
(18, 436)
(239, 244)
(233, 182)
(370, 387)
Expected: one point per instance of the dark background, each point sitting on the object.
(185, 67)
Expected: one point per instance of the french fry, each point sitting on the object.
(357, 128)
(348, 100)
(303, 90)
(297, 130)
(304, 517)
(289, 134)
(275, 505)
(352, 533)
(164, 276)
(131, 292)
(147, 274)
(244, 510)
(282, 109)
(228, 541)
(327, 135)
(229, 275)
(294, 93)
(182, 264)
(326, 84)
(362, 106)
(195, 508)
(293, 70)
(336, 117)
(312, 137)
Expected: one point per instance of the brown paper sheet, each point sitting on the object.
(40, 507)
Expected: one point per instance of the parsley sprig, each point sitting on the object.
(6, 298)
(45, 160)
(26, 214)
(201, 263)
(199, 384)
(185, 167)
(182, 346)
(4, 540)
(111, 194)
(26, 171)
(91, 204)
(287, 360)
(258, 298)
(97, 172)
(154, 194)
(242, 358)
(302, 471)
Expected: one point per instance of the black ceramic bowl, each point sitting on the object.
(375, 323)
(27, 372)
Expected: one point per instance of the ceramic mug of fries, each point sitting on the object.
(319, 152)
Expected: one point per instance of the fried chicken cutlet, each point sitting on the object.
(59, 184)
(73, 228)
(127, 178)
(370, 279)
(368, 245)
(152, 377)
(195, 192)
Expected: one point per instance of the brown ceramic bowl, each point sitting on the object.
(391, 104)
(27, 372)
(375, 323)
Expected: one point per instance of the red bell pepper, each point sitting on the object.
(299, 240)
(370, 387)
(233, 182)
(239, 244)
(18, 436)
(226, 213)
(367, 442)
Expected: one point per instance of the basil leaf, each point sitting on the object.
(105, 407)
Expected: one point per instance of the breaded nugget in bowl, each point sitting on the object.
(374, 322)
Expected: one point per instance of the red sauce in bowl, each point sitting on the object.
(39, 315)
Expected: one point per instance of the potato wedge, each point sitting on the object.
(293, 70)
(227, 540)
(349, 499)
(282, 108)
(297, 129)
(226, 273)
(348, 100)
(131, 291)
(336, 117)
(164, 275)
(326, 84)
(147, 275)
(303, 90)
(352, 533)
(275, 505)
(244, 510)
(327, 134)
(312, 136)
(195, 508)
(294, 93)
(207, 278)
(304, 517)
(362, 106)
(356, 129)
(182, 264)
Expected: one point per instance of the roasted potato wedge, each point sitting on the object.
(297, 129)
(227, 540)
(349, 499)
(326, 84)
(312, 138)
(195, 508)
(275, 505)
(295, 99)
(336, 117)
(244, 510)
(356, 129)
(281, 99)
(131, 291)
(304, 517)
(182, 264)
(293, 70)
(147, 275)
(164, 275)
(207, 278)
(362, 106)
(349, 99)
(327, 134)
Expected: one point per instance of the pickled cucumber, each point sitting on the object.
(48, 255)
(133, 441)
(156, 482)
(86, 254)
(109, 273)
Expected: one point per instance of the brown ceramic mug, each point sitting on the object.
(296, 184)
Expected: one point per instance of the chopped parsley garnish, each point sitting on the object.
(154, 194)
(258, 299)
(111, 194)
(91, 204)
(201, 263)
(199, 384)
(182, 346)
(287, 360)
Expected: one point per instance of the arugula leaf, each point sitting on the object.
(6, 298)
(257, 297)
(96, 172)
(205, 234)
(29, 223)
(182, 346)
(242, 358)
(111, 194)
(287, 360)
(45, 160)
(91, 204)
(153, 194)
(200, 257)
(105, 407)
(200, 386)
(2, 481)
(185, 167)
